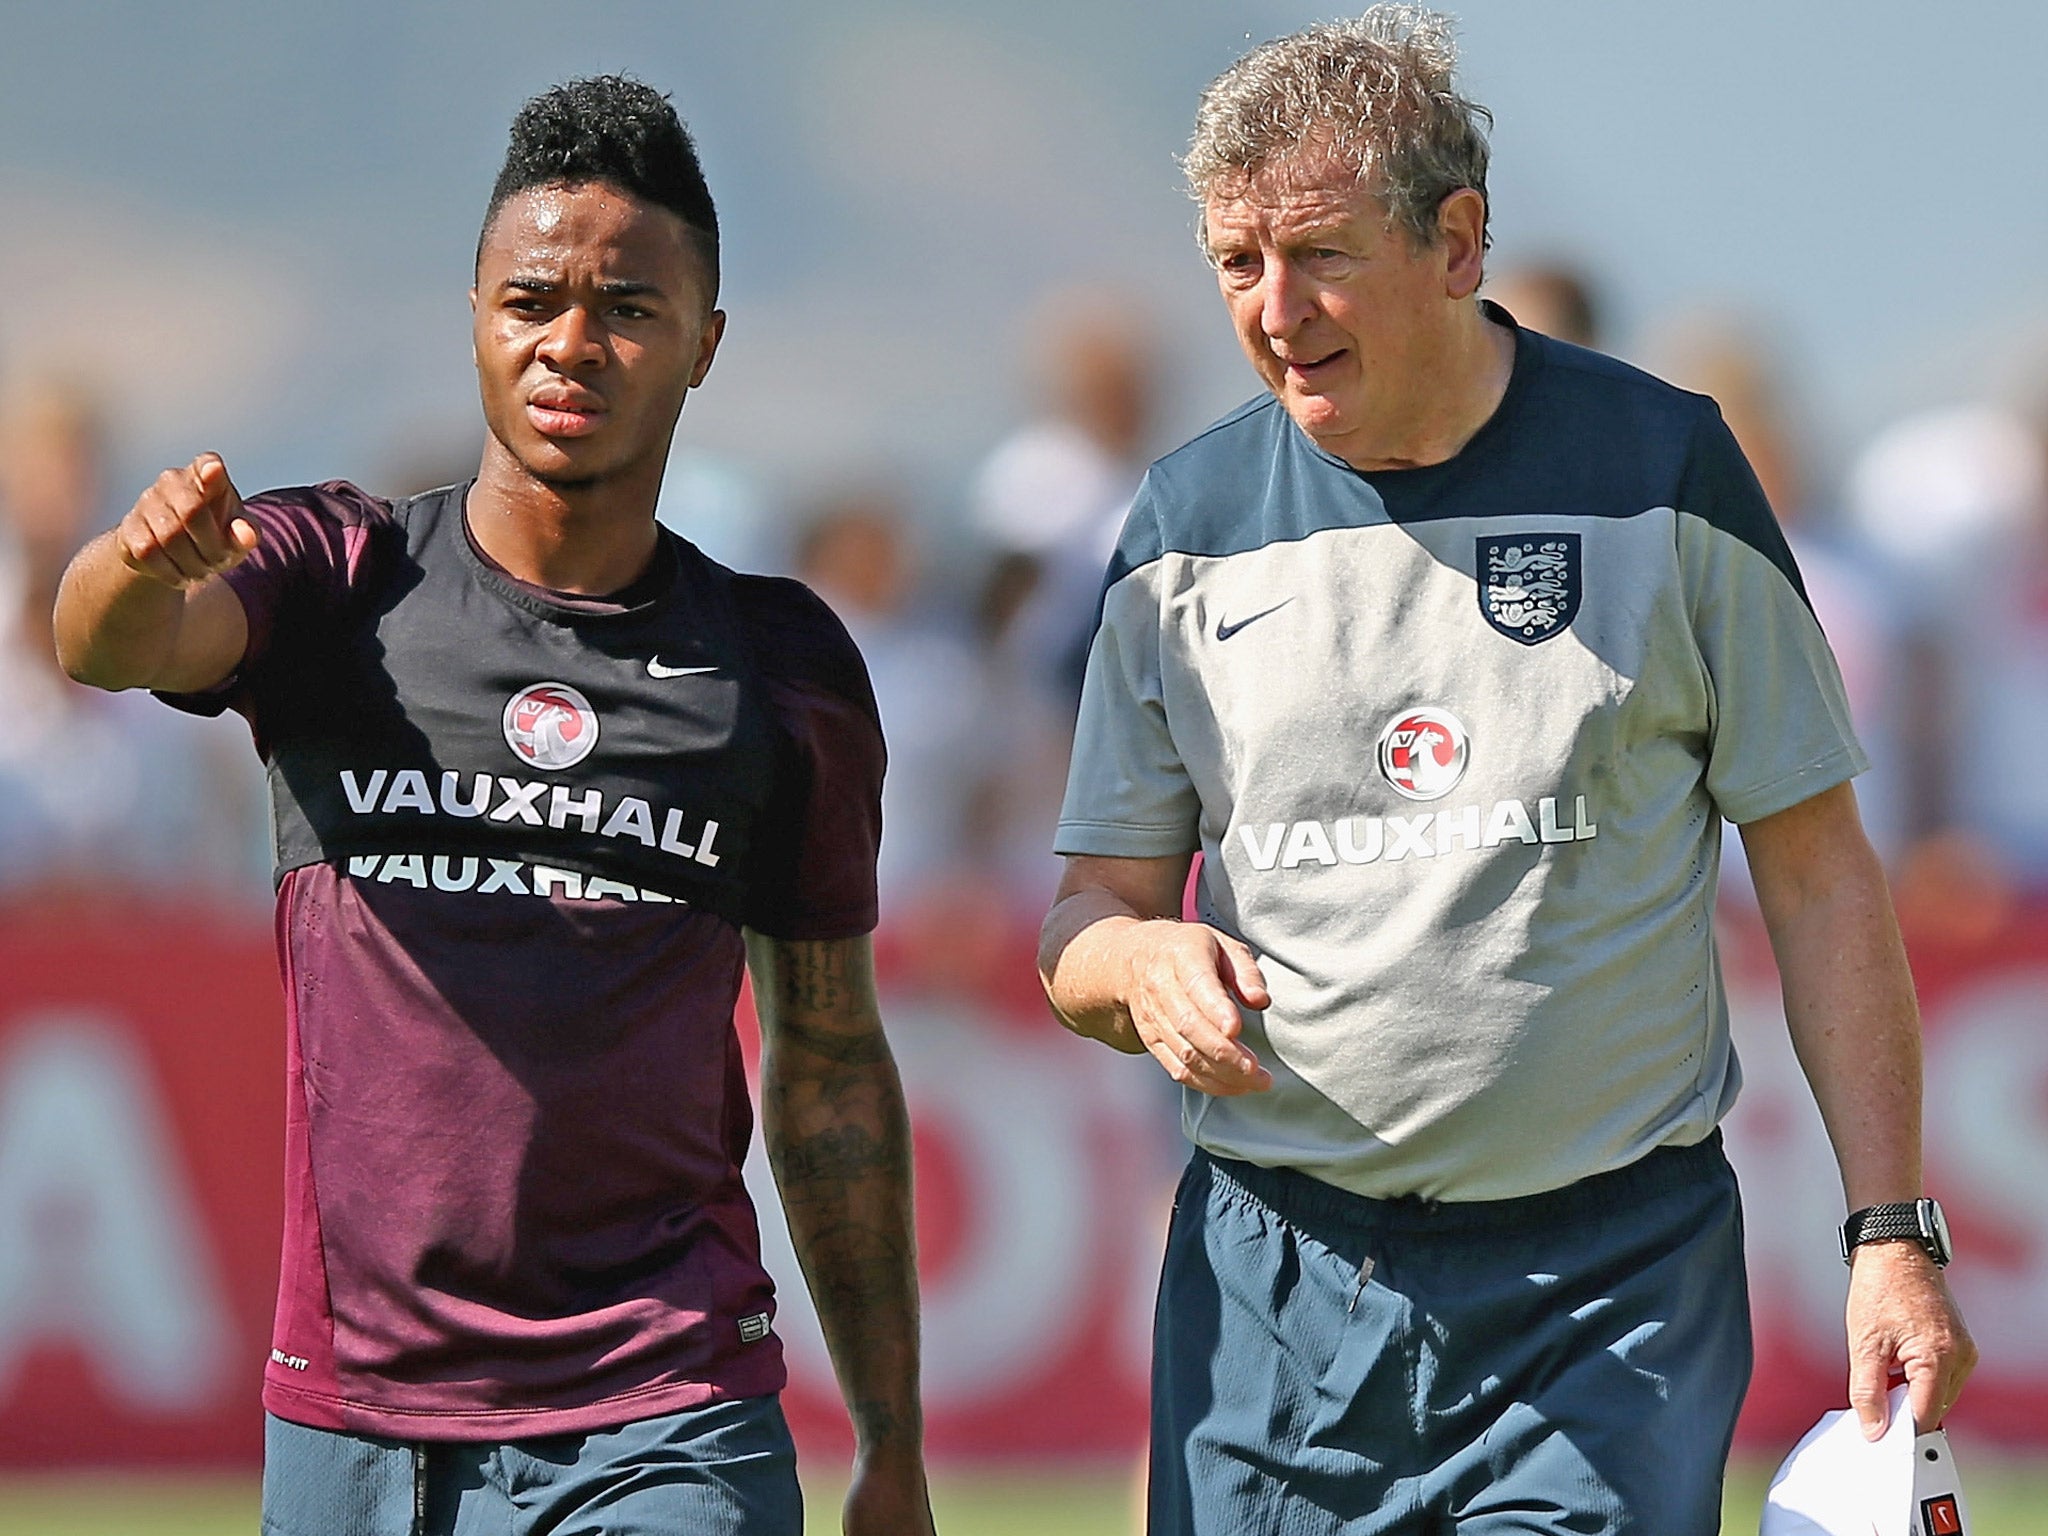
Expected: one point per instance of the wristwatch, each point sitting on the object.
(1921, 1220)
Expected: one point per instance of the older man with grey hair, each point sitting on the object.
(1450, 654)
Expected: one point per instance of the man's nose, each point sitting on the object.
(573, 340)
(1285, 303)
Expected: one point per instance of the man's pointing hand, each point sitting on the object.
(187, 527)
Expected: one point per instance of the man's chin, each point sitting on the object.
(560, 471)
(1318, 416)
(568, 480)
(565, 467)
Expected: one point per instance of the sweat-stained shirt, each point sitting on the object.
(1455, 743)
(519, 834)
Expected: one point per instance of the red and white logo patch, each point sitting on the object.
(1423, 753)
(550, 725)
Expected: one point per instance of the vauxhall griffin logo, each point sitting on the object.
(1423, 753)
(1529, 584)
(550, 725)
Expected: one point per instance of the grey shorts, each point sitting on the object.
(1328, 1365)
(728, 1469)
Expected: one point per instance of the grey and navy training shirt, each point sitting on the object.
(1455, 743)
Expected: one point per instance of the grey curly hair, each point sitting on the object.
(1374, 95)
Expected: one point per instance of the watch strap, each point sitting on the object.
(1878, 1223)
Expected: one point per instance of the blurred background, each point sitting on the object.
(966, 308)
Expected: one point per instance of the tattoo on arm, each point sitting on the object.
(814, 976)
(864, 1050)
(838, 1139)
(832, 1157)
(819, 995)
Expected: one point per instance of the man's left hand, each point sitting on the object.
(1902, 1320)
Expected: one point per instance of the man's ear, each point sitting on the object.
(1461, 236)
(707, 346)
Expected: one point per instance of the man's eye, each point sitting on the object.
(631, 311)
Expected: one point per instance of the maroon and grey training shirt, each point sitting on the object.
(518, 836)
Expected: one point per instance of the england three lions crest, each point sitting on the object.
(1529, 584)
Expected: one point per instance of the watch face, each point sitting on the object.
(1935, 1225)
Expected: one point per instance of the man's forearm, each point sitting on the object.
(1084, 965)
(143, 605)
(1849, 1002)
(1849, 1005)
(115, 627)
(838, 1138)
(1848, 991)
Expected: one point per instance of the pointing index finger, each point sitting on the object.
(210, 474)
(225, 538)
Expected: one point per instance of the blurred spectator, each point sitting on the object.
(1026, 729)
(1960, 499)
(1942, 494)
(96, 790)
(1050, 502)
(855, 553)
(1553, 297)
(1853, 594)
(1051, 498)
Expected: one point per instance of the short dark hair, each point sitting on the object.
(613, 129)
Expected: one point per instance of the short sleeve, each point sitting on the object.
(816, 873)
(313, 549)
(1128, 792)
(1779, 726)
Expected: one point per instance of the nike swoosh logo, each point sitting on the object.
(656, 669)
(1225, 631)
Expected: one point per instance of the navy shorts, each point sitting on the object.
(728, 1469)
(1569, 1362)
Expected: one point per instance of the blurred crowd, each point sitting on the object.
(1926, 559)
